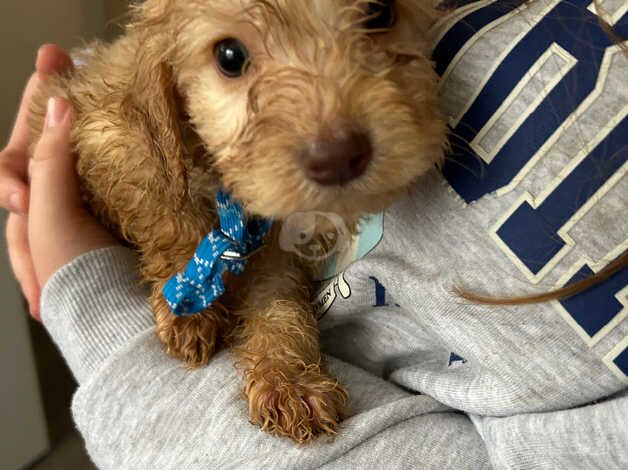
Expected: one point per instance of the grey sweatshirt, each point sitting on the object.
(533, 196)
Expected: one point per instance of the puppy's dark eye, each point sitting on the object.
(232, 57)
(380, 14)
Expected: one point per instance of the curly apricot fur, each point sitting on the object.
(158, 129)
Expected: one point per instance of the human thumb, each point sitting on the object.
(54, 184)
(55, 196)
(59, 228)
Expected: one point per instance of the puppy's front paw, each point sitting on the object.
(192, 339)
(299, 402)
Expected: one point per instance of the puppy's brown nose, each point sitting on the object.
(332, 160)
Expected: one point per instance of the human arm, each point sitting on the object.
(138, 408)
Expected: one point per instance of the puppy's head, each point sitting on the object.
(325, 105)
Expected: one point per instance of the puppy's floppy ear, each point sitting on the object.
(151, 105)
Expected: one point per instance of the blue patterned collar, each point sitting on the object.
(224, 249)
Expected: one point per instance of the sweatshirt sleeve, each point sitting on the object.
(138, 408)
(95, 305)
(146, 410)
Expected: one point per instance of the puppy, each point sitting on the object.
(325, 105)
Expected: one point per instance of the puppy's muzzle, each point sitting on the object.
(336, 157)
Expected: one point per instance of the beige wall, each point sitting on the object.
(115, 8)
(24, 25)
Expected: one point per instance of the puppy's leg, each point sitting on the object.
(288, 389)
(192, 339)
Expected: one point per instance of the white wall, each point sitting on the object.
(24, 25)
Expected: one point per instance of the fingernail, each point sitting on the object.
(57, 111)
(39, 53)
(16, 203)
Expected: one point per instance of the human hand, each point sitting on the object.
(48, 227)
(14, 190)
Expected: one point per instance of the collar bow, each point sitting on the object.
(224, 249)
